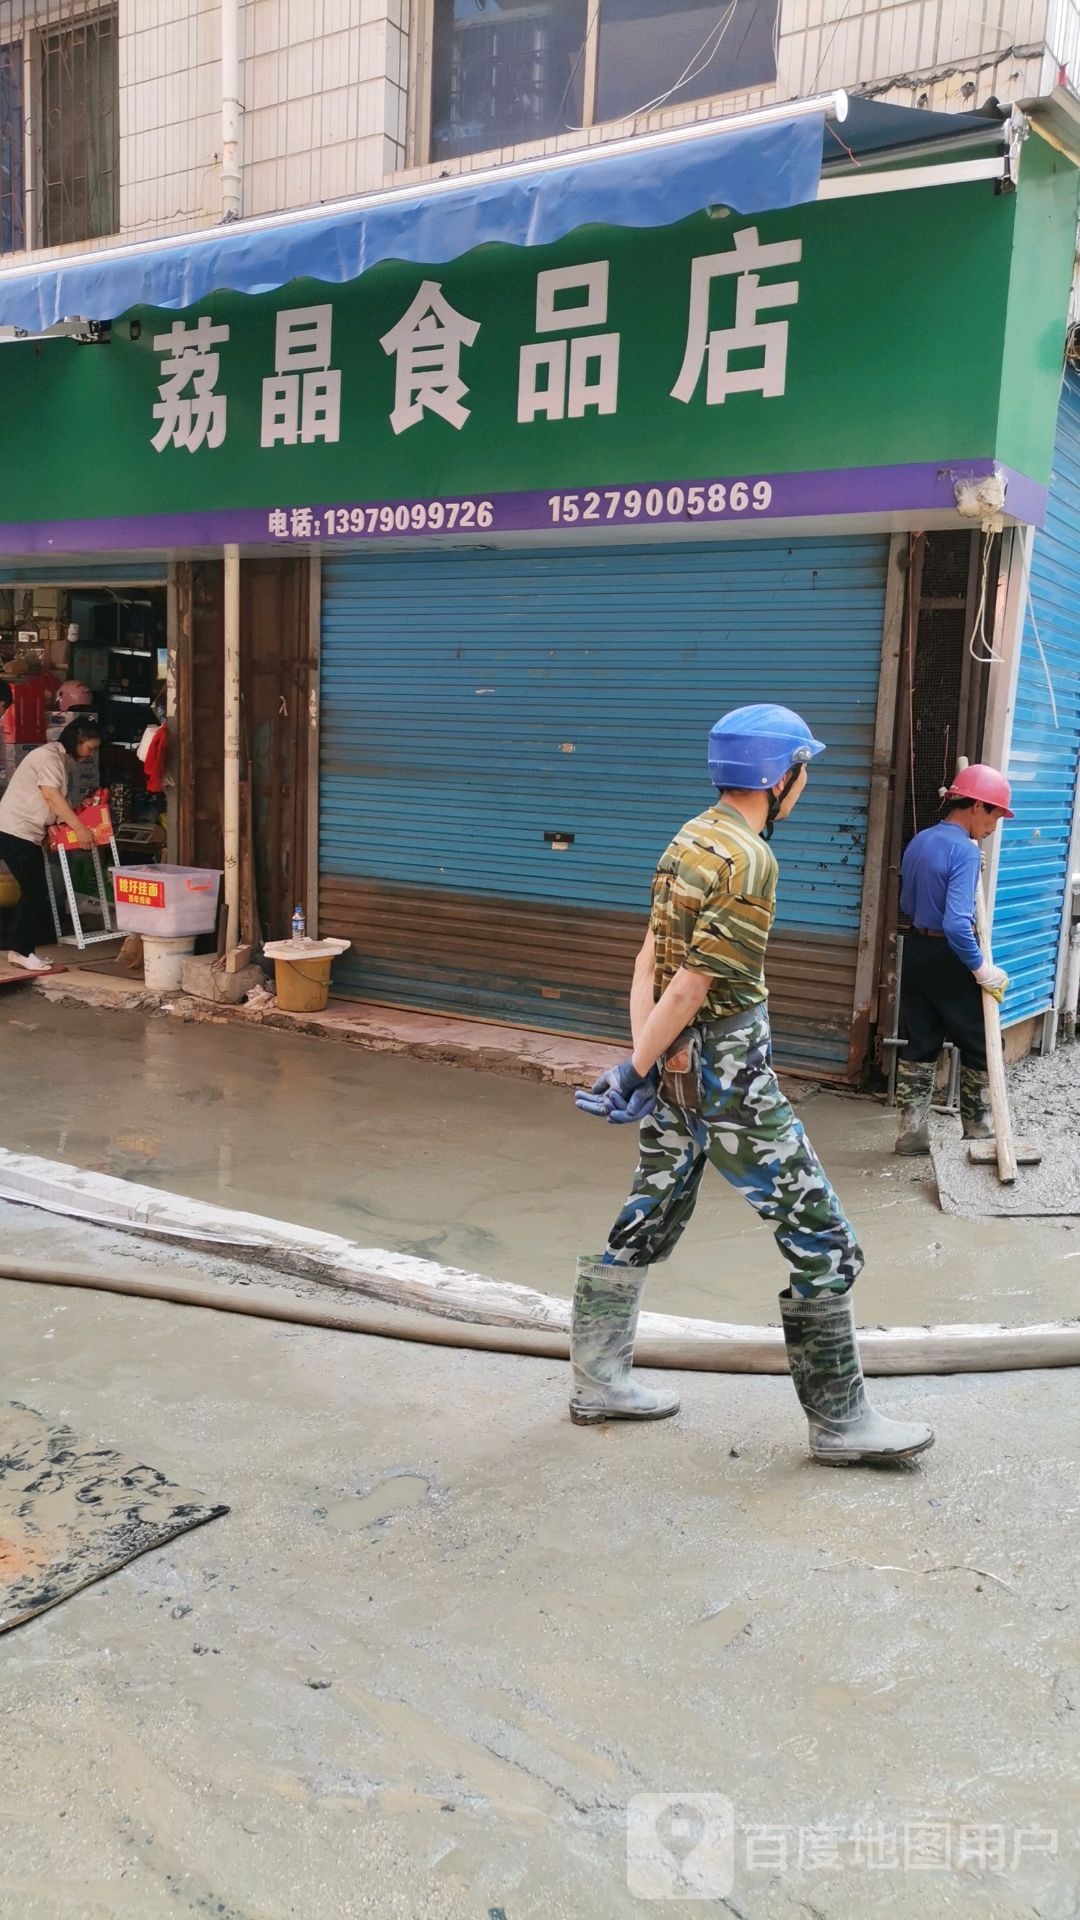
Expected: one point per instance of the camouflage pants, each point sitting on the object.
(748, 1132)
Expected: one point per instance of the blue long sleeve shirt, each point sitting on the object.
(939, 878)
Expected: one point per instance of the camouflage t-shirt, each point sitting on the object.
(713, 905)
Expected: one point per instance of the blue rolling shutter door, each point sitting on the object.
(510, 739)
(1034, 859)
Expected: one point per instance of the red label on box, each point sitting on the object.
(138, 893)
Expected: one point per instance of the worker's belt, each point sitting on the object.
(680, 1067)
(929, 933)
(730, 1022)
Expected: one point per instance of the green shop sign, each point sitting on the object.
(848, 357)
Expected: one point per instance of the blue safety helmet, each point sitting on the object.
(756, 746)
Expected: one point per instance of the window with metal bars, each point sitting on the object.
(12, 159)
(59, 124)
(80, 147)
(506, 71)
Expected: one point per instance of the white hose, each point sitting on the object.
(399, 1297)
(690, 1346)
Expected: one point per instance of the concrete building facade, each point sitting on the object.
(339, 97)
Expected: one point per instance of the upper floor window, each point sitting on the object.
(59, 130)
(12, 157)
(508, 71)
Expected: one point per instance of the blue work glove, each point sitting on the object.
(620, 1095)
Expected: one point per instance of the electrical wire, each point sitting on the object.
(691, 72)
(1030, 605)
(751, 15)
(697, 64)
(980, 646)
(774, 38)
(987, 654)
(1045, 662)
(685, 77)
(590, 29)
(827, 50)
(852, 156)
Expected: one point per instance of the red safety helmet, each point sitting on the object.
(985, 784)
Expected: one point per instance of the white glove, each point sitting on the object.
(992, 980)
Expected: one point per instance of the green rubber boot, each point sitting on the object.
(975, 1115)
(603, 1321)
(823, 1355)
(914, 1092)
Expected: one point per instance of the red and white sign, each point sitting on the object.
(138, 893)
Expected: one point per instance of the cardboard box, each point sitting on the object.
(95, 815)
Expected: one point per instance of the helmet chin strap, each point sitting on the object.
(776, 801)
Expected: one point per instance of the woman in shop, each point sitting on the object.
(34, 799)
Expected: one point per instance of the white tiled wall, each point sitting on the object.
(942, 54)
(324, 86)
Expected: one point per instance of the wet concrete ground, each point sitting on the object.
(444, 1639)
(1044, 1098)
(497, 1175)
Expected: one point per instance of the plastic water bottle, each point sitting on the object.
(299, 925)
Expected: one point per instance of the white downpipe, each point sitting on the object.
(231, 805)
(1072, 976)
(231, 178)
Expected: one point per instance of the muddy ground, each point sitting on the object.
(444, 1640)
(1044, 1100)
(496, 1175)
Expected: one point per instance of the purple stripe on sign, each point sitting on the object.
(721, 503)
(1024, 499)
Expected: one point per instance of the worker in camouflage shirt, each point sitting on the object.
(701, 1086)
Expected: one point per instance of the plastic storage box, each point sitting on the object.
(165, 902)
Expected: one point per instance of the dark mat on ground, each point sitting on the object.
(1044, 1096)
(72, 1512)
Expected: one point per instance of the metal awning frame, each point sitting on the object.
(847, 177)
(833, 106)
(844, 177)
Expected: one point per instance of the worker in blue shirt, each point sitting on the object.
(944, 975)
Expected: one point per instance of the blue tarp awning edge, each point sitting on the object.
(752, 169)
